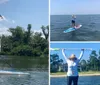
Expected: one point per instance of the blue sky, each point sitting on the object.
(94, 46)
(24, 12)
(74, 7)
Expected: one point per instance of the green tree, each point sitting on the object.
(22, 50)
(54, 64)
(83, 65)
(99, 61)
(28, 34)
(93, 60)
(45, 31)
(60, 62)
(17, 35)
(24, 43)
(6, 44)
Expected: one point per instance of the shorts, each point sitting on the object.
(72, 79)
(73, 21)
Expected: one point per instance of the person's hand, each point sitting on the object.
(82, 49)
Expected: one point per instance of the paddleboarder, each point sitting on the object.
(72, 61)
(73, 20)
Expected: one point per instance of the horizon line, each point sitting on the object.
(74, 14)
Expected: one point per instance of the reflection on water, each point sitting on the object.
(28, 63)
(38, 69)
(83, 80)
(36, 78)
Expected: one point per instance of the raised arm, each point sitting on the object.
(64, 55)
(81, 54)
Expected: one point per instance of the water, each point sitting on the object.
(38, 69)
(89, 31)
(36, 78)
(83, 80)
(28, 63)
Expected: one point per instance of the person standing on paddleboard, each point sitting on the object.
(73, 20)
(72, 61)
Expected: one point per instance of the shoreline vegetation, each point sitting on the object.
(25, 48)
(64, 74)
(23, 42)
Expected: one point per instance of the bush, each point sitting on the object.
(22, 50)
(37, 52)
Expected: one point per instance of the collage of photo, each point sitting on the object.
(74, 42)
(49, 42)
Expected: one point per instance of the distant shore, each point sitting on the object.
(64, 74)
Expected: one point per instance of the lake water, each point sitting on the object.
(38, 69)
(90, 30)
(36, 78)
(83, 80)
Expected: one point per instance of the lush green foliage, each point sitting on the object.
(56, 64)
(25, 43)
(92, 64)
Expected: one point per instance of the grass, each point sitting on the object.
(90, 72)
(59, 73)
(81, 73)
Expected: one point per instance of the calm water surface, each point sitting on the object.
(83, 80)
(90, 30)
(38, 69)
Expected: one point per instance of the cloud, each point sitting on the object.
(39, 31)
(3, 1)
(7, 20)
(4, 19)
(4, 31)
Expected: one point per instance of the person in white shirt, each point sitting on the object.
(72, 61)
(73, 20)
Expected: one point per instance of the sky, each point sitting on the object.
(94, 46)
(23, 12)
(59, 7)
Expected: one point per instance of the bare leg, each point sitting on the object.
(73, 24)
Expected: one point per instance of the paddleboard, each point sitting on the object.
(72, 29)
(12, 73)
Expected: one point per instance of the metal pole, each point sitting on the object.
(56, 49)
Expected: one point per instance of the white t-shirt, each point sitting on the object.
(72, 67)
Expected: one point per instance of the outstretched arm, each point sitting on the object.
(81, 54)
(64, 55)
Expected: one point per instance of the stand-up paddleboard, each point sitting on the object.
(12, 73)
(72, 29)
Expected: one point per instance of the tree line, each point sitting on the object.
(25, 43)
(92, 64)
